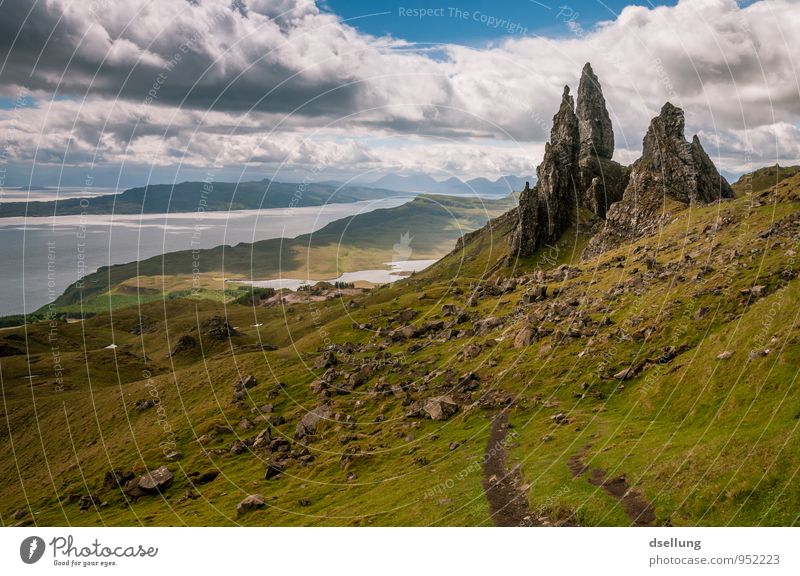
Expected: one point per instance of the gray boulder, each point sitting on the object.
(250, 503)
(156, 481)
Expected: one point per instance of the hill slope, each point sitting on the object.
(651, 384)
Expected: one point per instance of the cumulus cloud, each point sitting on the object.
(279, 82)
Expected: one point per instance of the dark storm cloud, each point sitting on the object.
(196, 57)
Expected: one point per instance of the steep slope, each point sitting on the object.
(763, 179)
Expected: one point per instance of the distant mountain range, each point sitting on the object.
(193, 196)
(222, 196)
(422, 183)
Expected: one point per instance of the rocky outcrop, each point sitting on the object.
(576, 171)
(671, 171)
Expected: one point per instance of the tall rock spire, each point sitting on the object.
(594, 123)
(576, 171)
(602, 180)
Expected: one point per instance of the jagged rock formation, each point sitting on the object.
(601, 179)
(576, 171)
(670, 169)
(545, 210)
(577, 176)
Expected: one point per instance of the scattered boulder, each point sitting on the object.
(535, 294)
(248, 381)
(560, 418)
(472, 350)
(273, 470)
(525, 337)
(237, 447)
(198, 478)
(250, 503)
(262, 440)
(326, 360)
(483, 326)
(310, 421)
(724, 355)
(407, 315)
(440, 408)
(173, 456)
(184, 343)
(217, 327)
(625, 374)
(117, 479)
(156, 481)
(449, 310)
(468, 382)
(144, 404)
(88, 501)
(241, 387)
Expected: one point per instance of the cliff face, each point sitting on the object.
(577, 172)
(670, 169)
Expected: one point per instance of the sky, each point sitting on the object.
(105, 93)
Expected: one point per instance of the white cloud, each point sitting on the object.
(282, 82)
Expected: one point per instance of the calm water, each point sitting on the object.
(395, 271)
(72, 246)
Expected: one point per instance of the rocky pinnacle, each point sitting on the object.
(594, 123)
(545, 211)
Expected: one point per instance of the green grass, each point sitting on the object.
(707, 441)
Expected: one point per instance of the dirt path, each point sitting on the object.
(508, 503)
(636, 507)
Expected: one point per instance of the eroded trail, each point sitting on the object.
(508, 503)
(637, 508)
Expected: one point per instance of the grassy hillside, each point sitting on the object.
(764, 179)
(197, 196)
(667, 366)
